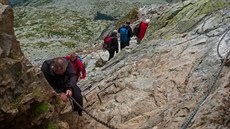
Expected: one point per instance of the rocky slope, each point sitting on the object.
(48, 28)
(174, 79)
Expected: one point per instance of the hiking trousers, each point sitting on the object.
(122, 45)
(111, 53)
(78, 97)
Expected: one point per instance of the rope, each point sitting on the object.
(95, 118)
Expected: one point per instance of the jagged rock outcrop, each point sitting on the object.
(174, 79)
(4, 2)
(26, 99)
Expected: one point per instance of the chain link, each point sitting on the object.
(95, 118)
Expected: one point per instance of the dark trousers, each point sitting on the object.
(111, 53)
(127, 44)
(78, 97)
(124, 44)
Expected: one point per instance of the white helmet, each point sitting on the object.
(147, 20)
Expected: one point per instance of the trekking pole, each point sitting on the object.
(98, 120)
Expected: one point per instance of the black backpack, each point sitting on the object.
(136, 30)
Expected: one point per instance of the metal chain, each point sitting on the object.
(95, 118)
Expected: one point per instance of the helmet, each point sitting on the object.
(147, 20)
(115, 31)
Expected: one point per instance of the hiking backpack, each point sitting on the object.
(107, 41)
(83, 64)
(123, 34)
(81, 59)
(136, 30)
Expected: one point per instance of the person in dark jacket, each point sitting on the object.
(113, 45)
(61, 76)
(129, 35)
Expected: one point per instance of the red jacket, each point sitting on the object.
(78, 67)
(143, 28)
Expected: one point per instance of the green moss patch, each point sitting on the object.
(183, 17)
(213, 5)
(41, 44)
(69, 44)
(52, 126)
(41, 108)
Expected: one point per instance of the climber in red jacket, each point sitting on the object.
(77, 65)
(142, 29)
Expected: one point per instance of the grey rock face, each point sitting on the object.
(175, 80)
(6, 44)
